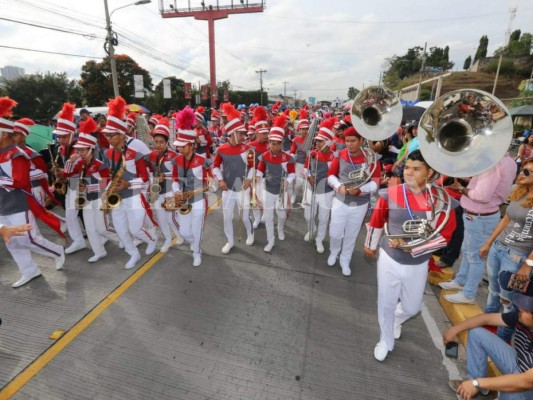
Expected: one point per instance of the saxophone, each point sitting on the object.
(111, 199)
(181, 202)
(155, 187)
(59, 184)
(81, 200)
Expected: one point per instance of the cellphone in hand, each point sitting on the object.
(452, 349)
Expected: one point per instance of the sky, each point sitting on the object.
(312, 48)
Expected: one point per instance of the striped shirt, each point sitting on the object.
(523, 341)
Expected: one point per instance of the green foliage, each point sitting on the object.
(481, 51)
(515, 36)
(425, 94)
(41, 96)
(468, 63)
(525, 98)
(98, 84)
(519, 47)
(507, 68)
(352, 92)
(157, 104)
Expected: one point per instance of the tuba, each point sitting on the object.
(376, 112)
(463, 133)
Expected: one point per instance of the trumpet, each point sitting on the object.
(81, 200)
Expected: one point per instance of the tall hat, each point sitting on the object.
(131, 120)
(6, 104)
(325, 130)
(88, 126)
(23, 126)
(162, 128)
(185, 122)
(234, 118)
(304, 119)
(215, 115)
(261, 120)
(251, 127)
(275, 108)
(199, 113)
(115, 116)
(351, 131)
(278, 128)
(85, 141)
(154, 119)
(65, 120)
(251, 110)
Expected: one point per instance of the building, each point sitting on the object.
(10, 72)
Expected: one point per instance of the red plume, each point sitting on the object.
(26, 121)
(230, 111)
(304, 114)
(200, 109)
(186, 119)
(67, 112)
(280, 121)
(260, 114)
(252, 123)
(163, 121)
(348, 119)
(88, 126)
(286, 112)
(306, 107)
(328, 123)
(6, 104)
(117, 107)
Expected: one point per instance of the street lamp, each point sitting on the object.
(112, 40)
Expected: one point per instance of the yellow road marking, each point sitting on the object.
(48, 355)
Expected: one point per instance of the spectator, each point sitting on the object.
(525, 150)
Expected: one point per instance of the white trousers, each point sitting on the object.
(230, 200)
(259, 194)
(71, 215)
(299, 182)
(21, 247)
(271, 202)
(128, 219)
(165, 218)
(97, 226)
(323, 203)
(400, 294)
(39, 193)
(191, 226)
(345, 224)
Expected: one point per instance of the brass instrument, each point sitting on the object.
(155, 187)
(81, 200)
(282, 196)
(180, 202)
(59, 185)
(111, 198)
(311, 225)
(358, 178)
(463, 133)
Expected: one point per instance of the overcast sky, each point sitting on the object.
(320, 48)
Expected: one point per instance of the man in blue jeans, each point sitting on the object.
(514, 362)
(480, 201)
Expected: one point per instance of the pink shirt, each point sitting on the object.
(490, 189)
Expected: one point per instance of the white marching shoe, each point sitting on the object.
(133, 260)
(269, 246)
(75, 246)
(380, 351)
(346, 271)
(397, 332)
(60, 261)
(179, 240)
(281, 234)
(197, 260)
(150, 248)
(250, 239)
(332, 260)
(25, 279)
(227, 248)
(166, 246)
(96, 257)
(319, 247)
(256, 223)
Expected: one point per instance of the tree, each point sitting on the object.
(467, 63)
(158, 104)
(352, 92)
(97, 82)
(41, 96)
(481, 51)
(517, 47)
(515, 36)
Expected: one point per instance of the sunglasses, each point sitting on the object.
(526, 172)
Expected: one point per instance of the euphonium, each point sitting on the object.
(81, 200)
(111, 198)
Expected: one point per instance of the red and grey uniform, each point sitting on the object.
(18, 207)
(338, 144)
(97, 225)
(299, 153)
(204, 142)
(276, 170)
(402, 275)
(129, 216)
(38, 174)
(259, 189)
(348, 212)
(317, 165)
(233, 164)
(189, 175)
(164, 218)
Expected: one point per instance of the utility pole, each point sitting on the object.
(211, 13)
(421, 71)
(512, 12)
(261, 72)
(284, 90)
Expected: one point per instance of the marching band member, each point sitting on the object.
(19, 207)
(129, 215)
(204, 142)
(131, 136)
(316, 170)
(39, 170)
(190, 175)
(350, 204)
(278, 169)
(233, 167)
(260, 145)
(160, 163)
(214, 130)
(299, 152)
(65, 130)
(401, 273)
(93, 176)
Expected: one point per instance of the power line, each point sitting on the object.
(88, 36)
(49, 52)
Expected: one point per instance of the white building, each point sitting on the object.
(10, 72)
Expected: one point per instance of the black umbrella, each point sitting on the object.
(413, 113)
